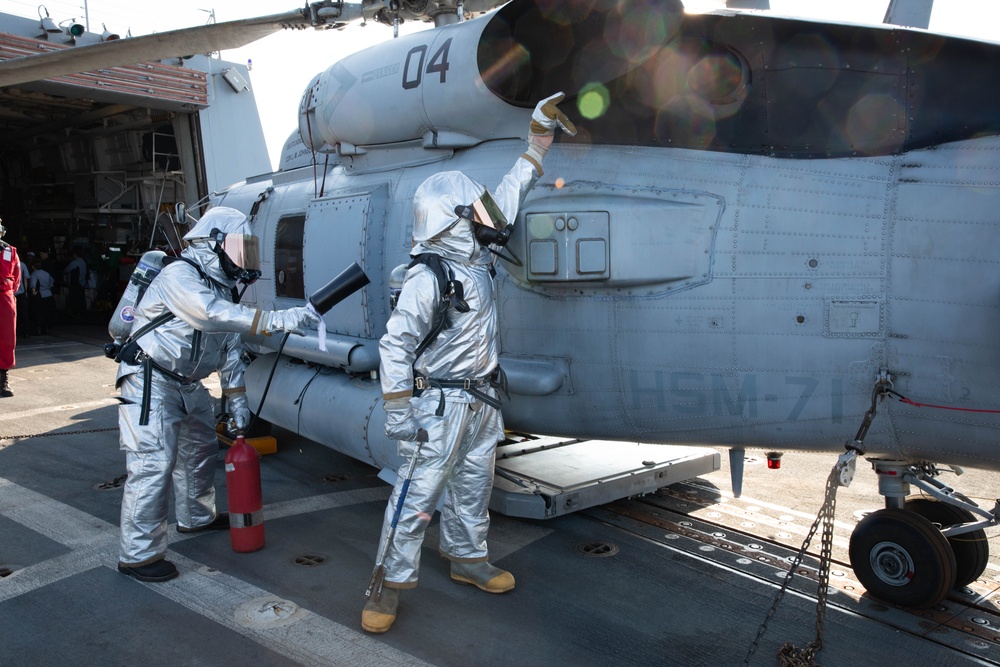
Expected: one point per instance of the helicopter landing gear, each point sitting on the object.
(920, 547)
(900, 557)
(972, 551)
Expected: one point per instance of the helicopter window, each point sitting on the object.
(718, 75)
(288, 280)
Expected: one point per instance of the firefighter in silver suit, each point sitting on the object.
(446, 396)
(166, 419)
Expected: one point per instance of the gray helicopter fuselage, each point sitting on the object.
(670, 295)
(745, 286)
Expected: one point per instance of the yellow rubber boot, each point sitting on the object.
(483, 576)
(378, 616)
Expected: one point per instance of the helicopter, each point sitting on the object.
(768, 232)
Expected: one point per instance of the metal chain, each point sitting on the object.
(50, 433)
(789, 655)
(825, 517)
(841, 474)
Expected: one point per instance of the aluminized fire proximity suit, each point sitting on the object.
(457, 460)
(178, 446)
(457, 430)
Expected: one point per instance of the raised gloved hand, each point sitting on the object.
(400, 424)
(544, 120)
(295, 320)
(239, 411)
(547, 116)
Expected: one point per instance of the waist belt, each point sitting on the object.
(497, 379)
(149, 365)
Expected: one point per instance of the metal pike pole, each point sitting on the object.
(378, 575)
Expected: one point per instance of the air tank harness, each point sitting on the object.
(496, 379)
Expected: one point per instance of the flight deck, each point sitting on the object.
(683, 575)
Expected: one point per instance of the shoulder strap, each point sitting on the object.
(187, 260)
(434, 263)
(164, 317)
(149, 326)
(201, 272)
(450, 294)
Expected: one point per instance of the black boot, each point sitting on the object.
(4, 385)
(221, 522)
(159, 570)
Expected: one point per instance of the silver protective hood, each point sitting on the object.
(202, 246)
(225, 219)
(437, 228)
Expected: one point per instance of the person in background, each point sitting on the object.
(75, 278)
(23, 328)
(10, 282)
(43, 302)
(47, 263)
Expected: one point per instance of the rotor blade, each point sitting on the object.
(146, 48)
(909, 13)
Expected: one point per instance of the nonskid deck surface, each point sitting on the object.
(681, 577)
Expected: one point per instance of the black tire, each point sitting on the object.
(901, 558)
(972, 550)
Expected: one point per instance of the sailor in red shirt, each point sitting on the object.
(10, 279)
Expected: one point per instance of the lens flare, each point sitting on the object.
(638, 34)
(541, 226)
(689, 120)
(593, 101)
(503, 75)
(874, 120)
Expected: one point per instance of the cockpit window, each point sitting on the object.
(288, 281)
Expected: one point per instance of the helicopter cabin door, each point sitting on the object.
(338, 230)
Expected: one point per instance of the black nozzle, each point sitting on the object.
(347, 283)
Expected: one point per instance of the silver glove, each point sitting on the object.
(400, 424)
(294, 320)
(239, 411)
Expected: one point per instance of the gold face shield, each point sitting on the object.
(243, 250)
(488, 221)
(239, 255)
(490, 226)
(488, 214)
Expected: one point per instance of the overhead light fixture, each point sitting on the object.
(74, 29)
(48, 25)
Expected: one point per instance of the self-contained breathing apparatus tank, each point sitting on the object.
(120, 325)
(396, 284)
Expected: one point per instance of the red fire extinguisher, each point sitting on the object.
(246, 514)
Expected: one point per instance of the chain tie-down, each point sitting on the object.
(842, 474)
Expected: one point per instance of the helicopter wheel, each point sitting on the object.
(972, 550)
(900, 557)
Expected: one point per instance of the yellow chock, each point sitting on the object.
(265, 444)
